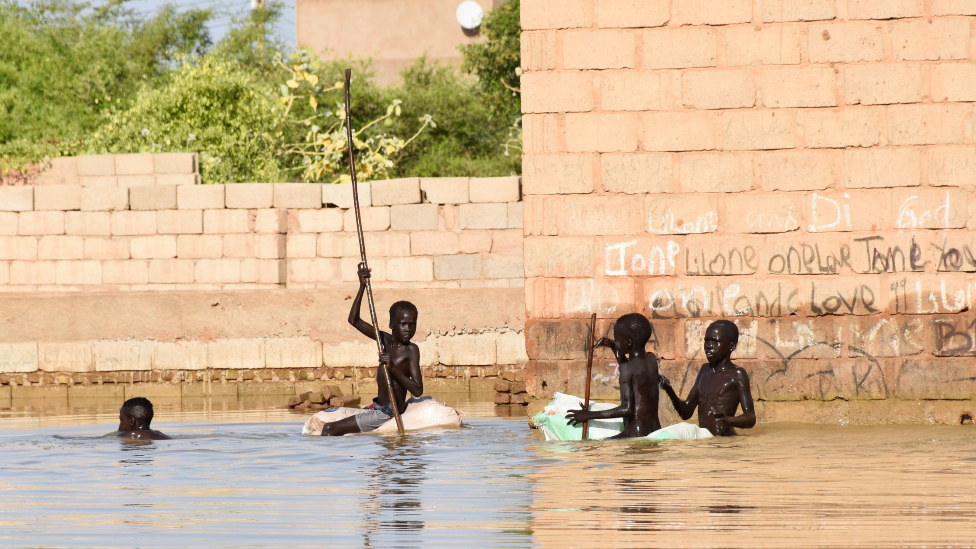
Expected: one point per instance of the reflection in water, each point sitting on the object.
(394, 480)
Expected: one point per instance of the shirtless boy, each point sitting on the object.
(638, 379)
(134, 419)
(402, 356)
(721, 386)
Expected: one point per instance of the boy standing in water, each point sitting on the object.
(134, 419)
(721, 385)
(402, 356)
(638, 379)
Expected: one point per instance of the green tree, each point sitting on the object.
(496, 59)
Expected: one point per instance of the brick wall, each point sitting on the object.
(803, 167)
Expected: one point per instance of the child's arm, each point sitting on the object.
(357, 304)
(625, 410)
(747, 418)
(685, 408)
(414, 381)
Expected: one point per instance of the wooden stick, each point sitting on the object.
(384, 367)
(589, 370)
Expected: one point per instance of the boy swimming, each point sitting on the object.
(638, 379)
(403, 358)
(721, 386)
(134, 419)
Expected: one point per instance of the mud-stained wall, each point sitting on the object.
(804, 168)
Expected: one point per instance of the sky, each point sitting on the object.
(218, 26)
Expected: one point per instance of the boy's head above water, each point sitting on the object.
(631, 331)
(721, 338)
(136, 414)
(403, 321)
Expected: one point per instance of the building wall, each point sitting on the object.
(393, 33)
(805, 168)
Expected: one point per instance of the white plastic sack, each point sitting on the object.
(421, 413)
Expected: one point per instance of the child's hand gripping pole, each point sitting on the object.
(589, 370)
(384, 366)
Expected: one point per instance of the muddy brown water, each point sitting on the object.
(239, 474)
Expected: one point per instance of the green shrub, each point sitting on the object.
(210, 106)
(496, 60)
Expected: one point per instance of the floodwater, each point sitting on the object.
(243, 476)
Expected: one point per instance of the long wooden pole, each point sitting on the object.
(589, 370)
(384, 367)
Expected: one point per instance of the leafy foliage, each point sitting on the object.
(496, 60)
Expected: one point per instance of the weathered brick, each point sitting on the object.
(268, 221)
(457, 267)
(297, 195)
(340, 195)
(685, 131)
(718, 89)
(33, 272)
(16, 199)
(350, 269)
(842, 211)
(237, 354)
(933, 379)
(601, 132)
(557, 14)
(632, 13)
(707, 12)
(379, 245)
(507, 242)
(849, 127)
(799, 87)
(875, 168)
(376, 218)
(759, 130)
(679, 48)
(133, 223)
(223, 271)
(331, 245)
(798, 171)
(88, 223)
(413, 217)
(716, 172)
(66, 166)
(175, 163)
(929, 208)
(846, 42)
(954, 82)
(245, 245)
(494, 189)
(884, 9)
(57, 197)
(410, 269)
(18, 247)
(538, 51)
(775, 11)
(635, 91)
(557, 92)
(98, 164)
(107, 248)
(179, 222)
(61, 247)
(601, 49)
(125, 272)
(128, 181)
(99, 181)
(930, 294)
(104, 199)
(484, 216)
(156, 246)
(930, 40)
(65, 357)
(471, 242)
(9, 222)
(200, 197)
(199, 246)
(759, 214)
(264, 271)
(953, 166)
(249, 195)
(434, 243)
(134, 164)
(772, 45)
(514, 215)
(79, 272)
(953, 7)
(301, 245)
(599, 215)
(445, 190)
(887, 337)
(324, 220)
(637, 173)
(681, 214)
(18, 358)
(177, 179)
(848, 295)
(171, 271)
(928, 124)
(395, 191)
(560, 257)
(225, 221)
(155, 197)
(540, 134)
(569, 174)
(269, 246)
(41, 223)
(883, 84)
